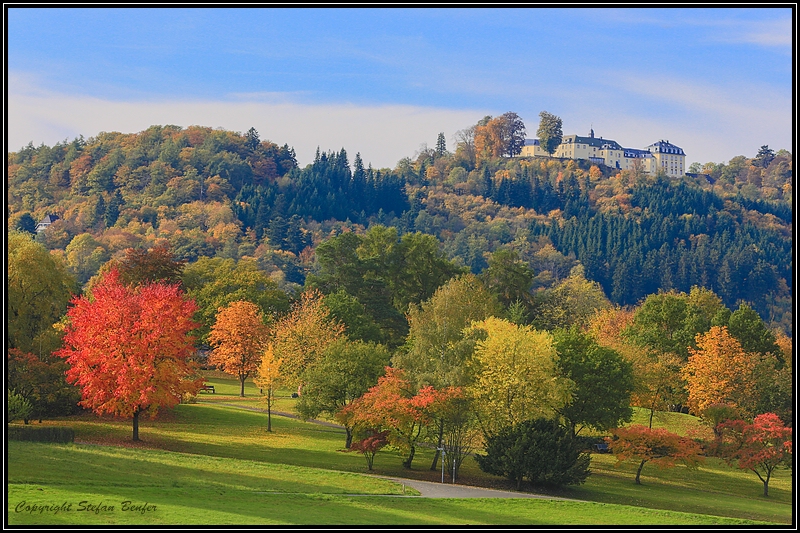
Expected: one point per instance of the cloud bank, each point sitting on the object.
(383, 134)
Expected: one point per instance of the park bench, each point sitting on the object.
(208, 388)
(601, 447)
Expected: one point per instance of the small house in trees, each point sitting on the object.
(45, 222)
(661, 155)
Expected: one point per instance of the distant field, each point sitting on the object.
(208, 463)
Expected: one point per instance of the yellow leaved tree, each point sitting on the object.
(269, 373)
(301, 337)
(516, 376)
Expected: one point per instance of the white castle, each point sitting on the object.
(661, 155)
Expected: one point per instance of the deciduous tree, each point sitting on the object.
(43, 383)
(516, 375)
(657, 446)
(38, 291)
(269, 374)
(549, 132)
(129, 348)
(216, 282)
(760, 447)
(345, 372)
(438, 349)
(602, 379)
(392, 406)
(238, 337)
(301, 337)
(720, 371)
(140, 266)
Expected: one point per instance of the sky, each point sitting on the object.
(385, 82)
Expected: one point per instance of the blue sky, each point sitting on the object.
(717, 82)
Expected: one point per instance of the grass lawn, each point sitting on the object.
(214, 463)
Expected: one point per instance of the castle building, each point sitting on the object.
(658, 156)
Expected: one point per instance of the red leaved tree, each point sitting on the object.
(129, 348)
(658, 446)
(761, 446)
(392, 406)
(370, 445)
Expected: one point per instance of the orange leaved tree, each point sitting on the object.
(392, 406)
(238, 337)
(129, 349)
(658, 446)
(720, 371)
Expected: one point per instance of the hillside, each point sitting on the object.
(216, 193)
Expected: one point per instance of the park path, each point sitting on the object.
(430, 489)
(427, 489)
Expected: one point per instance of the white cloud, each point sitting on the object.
(383, 134)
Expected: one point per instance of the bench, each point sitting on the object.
(208, 388)
(601, 447)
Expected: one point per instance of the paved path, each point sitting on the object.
(428, 489)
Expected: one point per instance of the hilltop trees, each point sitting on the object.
(499, 136)
(128, 348)
(549, 132)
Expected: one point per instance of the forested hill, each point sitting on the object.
(214, 193)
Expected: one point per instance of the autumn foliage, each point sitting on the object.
(720, 371)
(128, 349)
(657, 446)
(370, 445)
(269, 372)
(761, 446)
(238, 337)
(392, 406)
(301, 337)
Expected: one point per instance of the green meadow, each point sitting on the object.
(213, 462)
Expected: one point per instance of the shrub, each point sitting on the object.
(58, 434)
(540, 450)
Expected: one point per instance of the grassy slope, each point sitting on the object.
(206, 463)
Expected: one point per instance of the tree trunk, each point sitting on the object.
(348, 439)
(269, 411)
(639, 472)
(438, 445)
(407, 461)
(241, 380)
(136, 425)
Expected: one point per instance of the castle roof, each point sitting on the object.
(665, 147)
(597, 142)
